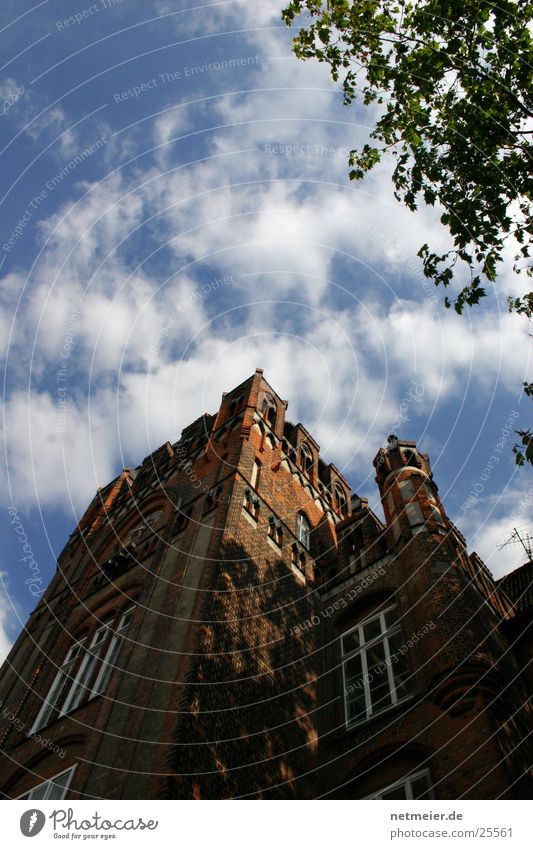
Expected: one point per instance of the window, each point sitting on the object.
(414, 514)
(147, 522)
(268, 411)
(275, 531)
(212, 499)
(182, 520)
(417, 786)
(303, 529)
(256, 474)
(407, 489)
(429, 491)
(306, 458)
(437, 515)
(375, 671)
(411, 458)
(53, 788)
(251, 503)
(298, 558)
(85, 671)
(340, 496)
(235, 405)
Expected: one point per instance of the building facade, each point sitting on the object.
(229, 621)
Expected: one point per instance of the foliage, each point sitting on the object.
(526, 452)
(451, 83)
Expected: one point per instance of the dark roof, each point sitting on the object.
(519, 586)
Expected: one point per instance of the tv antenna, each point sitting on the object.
(525, 540)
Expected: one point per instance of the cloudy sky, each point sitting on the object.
(175, 213)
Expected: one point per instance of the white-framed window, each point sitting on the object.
(374, 666)
(303, 529)
(53, 788)
(416, 786)
(85, 671)
(113, 650)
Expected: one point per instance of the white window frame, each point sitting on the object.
(407, 783)
(57, 688)
(303, 529)
(78, 688)
(78, 691)
(384, 637)
(48, 784)
(256, 474)
(109, 661)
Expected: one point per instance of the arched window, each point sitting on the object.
(149, 521)
(303, 529)
(417, 786)
(306, 458)
(375, 671)
(340, 497)
(268, 411)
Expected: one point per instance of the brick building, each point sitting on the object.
(228, 620)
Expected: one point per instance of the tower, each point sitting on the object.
(434, 704)
(228, 621)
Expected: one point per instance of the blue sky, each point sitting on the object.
(152, 149)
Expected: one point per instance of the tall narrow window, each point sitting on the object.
(78, 689)
(437, 515)
(411, 458)
(428, 489)
(113, 650)
(53, 788)
(85, 671)
(306, 458)
(375, 671)
(303, 529)
(340, 497)
(256, 474)
(57, 693)
(268, 411)
(414, 514)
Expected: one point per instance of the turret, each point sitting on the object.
(409, 495)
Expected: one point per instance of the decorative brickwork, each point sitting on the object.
(284, 642)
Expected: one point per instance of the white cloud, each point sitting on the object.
(344, 323)
(7, 618)
(489, 520)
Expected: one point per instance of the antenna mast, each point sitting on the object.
(525, 540)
